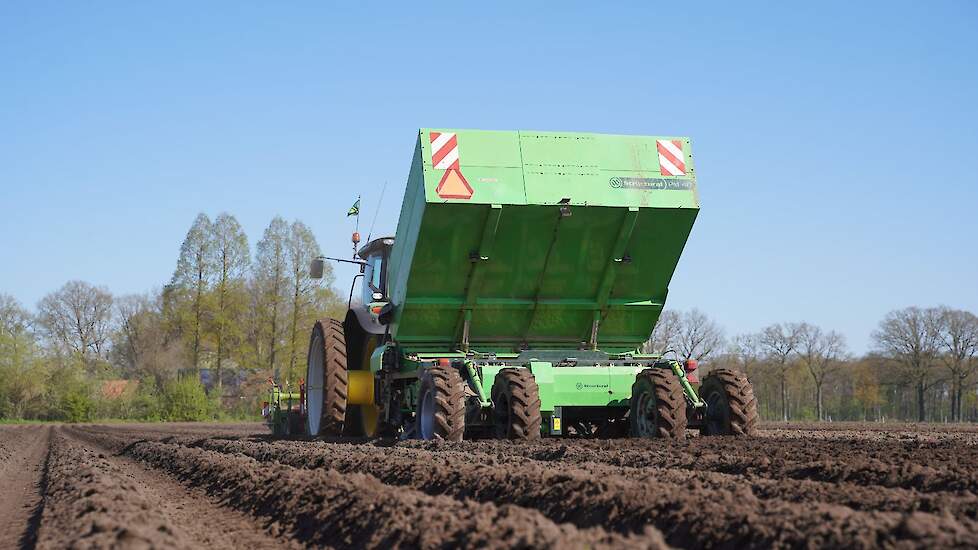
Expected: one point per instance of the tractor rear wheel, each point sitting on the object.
(441, 404)
(326, 379)
(516, 405)
(658, 406)
(731, 408)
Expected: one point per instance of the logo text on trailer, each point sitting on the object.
(444, 156)
(672, 161)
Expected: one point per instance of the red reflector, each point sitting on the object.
(376, 310)
(443, 362)
(691, 365)
(693, 379)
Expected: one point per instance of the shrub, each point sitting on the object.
(77, 405)
(184, 399)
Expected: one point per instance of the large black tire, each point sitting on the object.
(441, 404)
(326, 379)
(516, 405)
(658, 406)
(731, 408)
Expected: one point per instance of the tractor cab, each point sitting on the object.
(375, 255)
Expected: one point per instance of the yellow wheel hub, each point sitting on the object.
(360, 391)
(360, 387)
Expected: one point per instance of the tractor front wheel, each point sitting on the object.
(658, 406)
(516, 405)
(731, 408)
(441, 404)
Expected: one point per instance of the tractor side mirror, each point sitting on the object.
(316, 268)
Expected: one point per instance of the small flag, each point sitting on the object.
(354, 210)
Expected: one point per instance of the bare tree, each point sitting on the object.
(78, 316)
(910, 337)
(271, 279)
(141, 345)
(302, 248)
(195, 269)
(130, 310)
(822, 353)
(699, 337)
(779, 342)
(665, 334)
(958, 339)
(747, 349)
(232, 259)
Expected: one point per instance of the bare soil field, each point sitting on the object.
(231, 485)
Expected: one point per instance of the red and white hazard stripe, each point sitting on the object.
(444, 150)
(672, 161)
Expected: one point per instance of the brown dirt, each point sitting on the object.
(23, 451)
(852, 485)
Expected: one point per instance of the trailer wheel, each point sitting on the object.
(441, 404)
(326, 379)
(731, 408)
(516, 405)
(658, 406)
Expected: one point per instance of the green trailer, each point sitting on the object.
(526, 271)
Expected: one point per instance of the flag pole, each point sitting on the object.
(356, 231)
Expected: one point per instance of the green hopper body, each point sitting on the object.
(538, 240)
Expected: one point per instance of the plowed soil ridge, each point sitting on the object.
(936, 467)
(568, 494)
(355, 510)
(90, 504)
(792, 487)
(850, 495)
(23, 459)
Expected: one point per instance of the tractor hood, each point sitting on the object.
(538, 240)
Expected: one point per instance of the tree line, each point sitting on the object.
(923, 365)
(230, 317)
(202, 345)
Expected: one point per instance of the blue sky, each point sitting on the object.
(834, 140)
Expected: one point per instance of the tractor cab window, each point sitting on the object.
(373, 279)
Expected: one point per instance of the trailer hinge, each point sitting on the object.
(691, 394)
(477, 383)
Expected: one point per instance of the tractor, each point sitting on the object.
(526, 270)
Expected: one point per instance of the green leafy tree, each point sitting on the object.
(232, 258)
(271, 280)
(192, 279)
(21, 372)
(301, 249)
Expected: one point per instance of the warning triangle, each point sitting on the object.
(454, 186)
